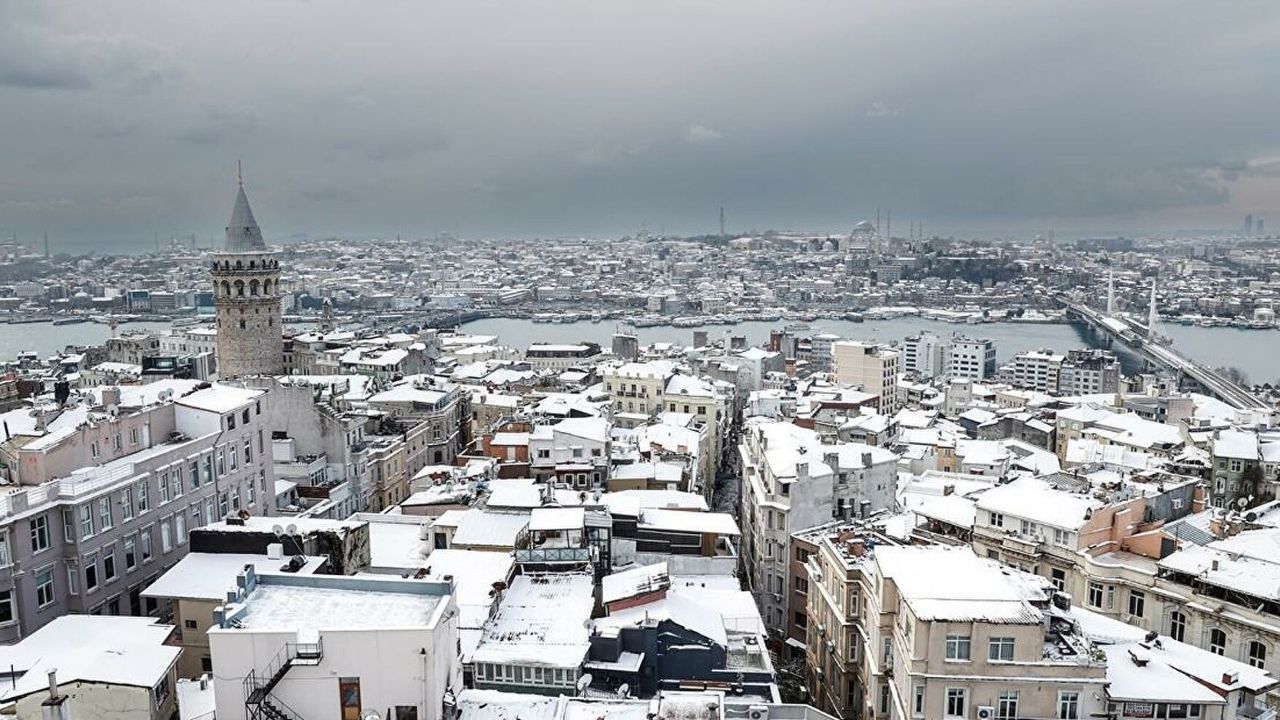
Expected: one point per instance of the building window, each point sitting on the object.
(1217, 641)
(166, 536)
(1068, 705)
(44, 587)
(126, 504)
(1257, 655)
(957, 647)
(144, 497)
(73, 579)
(997, 520)
(104, 513)
(108, 564)
(1007, 706)
(86, 520)
(1095, 595)
(917, 700)
(39, 533)
(1177, 625)
(180, 527)
(130, 553)
(5, 557)
(1000, 648)
(90, 573)
(1058, 578)
(1137, 603)
(162, 484)
(6, 607)
(957, 702)
(68, 525)
(145, 544)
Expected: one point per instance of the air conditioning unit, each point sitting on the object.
(984, 712)
(758, 712)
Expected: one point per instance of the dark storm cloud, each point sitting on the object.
(574, 116)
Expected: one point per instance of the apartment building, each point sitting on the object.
(637, 387)
(1089, 372)
(924, 355)
(435, 420)
(111, 489)
(575, 451)
(321, 646)
(947, 634)
(972, 358)
(78, 666)
(874, 368)
(549, 356)
(1034, 370)
(792, 480)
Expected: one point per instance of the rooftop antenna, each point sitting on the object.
(46, 246)
(239, 173)
(888, 224)
(877, 218)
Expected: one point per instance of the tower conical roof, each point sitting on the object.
(243, 233)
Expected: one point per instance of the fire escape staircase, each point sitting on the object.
(260, 703)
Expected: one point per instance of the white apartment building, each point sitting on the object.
(924, 354)
(874, 368)
(972, 358)
(791, 481)
(1034, 370)
(326, 647)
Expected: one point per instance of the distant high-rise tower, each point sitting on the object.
(246, 298)
(1111, 293)
(1257, 226)
(721, 221)
(1152, 316)
(1248, 224)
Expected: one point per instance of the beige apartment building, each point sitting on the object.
(937, 632)
(872, 367)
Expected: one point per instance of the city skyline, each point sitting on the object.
(487, 121)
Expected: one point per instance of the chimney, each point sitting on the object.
(110, 396)
(802, 471)
(53, 684)
(1214, 565)
(948, 489)
(204, 682)
(866, 460)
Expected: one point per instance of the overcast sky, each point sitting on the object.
(119, 120)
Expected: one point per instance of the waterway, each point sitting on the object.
(1255, 352)
(46, 338)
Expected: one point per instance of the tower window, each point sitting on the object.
(241, 324)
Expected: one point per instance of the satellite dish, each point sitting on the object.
(277, 529)
(584, 682)
(292, 529)
(624, 689)
(370, 715)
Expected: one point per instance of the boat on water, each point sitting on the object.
(29, 319)
(72, 320)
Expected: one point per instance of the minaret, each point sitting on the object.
(246, 297)
(1111, 293)
(1152, 317)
